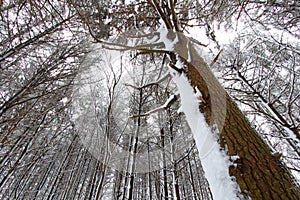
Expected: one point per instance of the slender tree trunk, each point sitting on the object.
(135, 147)
(158, 191)
(164, 170)
(92, 183)
(191, 174)
(71, 178)
(149, 173)
(176, 184)
(127, 174)
(60, 169)
(175, 173)
(85, 170)
(117, 185)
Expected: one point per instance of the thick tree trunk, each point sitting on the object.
(257, 171)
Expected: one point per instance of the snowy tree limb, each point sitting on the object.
(168, 104)
(166, 76)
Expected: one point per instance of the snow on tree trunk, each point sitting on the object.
(214, 163)
(258, 173)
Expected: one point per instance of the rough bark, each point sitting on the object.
(257, 172)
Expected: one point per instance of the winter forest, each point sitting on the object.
(149, 99)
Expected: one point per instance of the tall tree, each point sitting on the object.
(43, 46)
(236, 134)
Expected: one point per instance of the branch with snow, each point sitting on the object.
(166, 76)
(167, 105)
